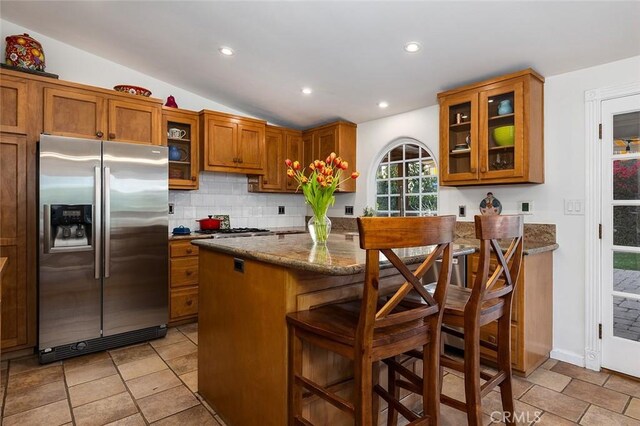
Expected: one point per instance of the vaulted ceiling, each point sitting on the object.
(350, 53)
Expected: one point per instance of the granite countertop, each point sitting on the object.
(341, 256)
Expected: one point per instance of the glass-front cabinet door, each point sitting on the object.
(459, 146)
(502, 131)
(181, 127)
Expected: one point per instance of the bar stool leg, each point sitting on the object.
(295, 369)
(375, 399)
(472, 373)
(504, 364)
(431, 381)
(392, 416)
(363, 385)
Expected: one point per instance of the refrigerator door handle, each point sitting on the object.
(47, 228)
(107, 222)
(97, 223)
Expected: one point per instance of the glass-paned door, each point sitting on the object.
(621, 236)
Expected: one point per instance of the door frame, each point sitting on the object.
(593, 215)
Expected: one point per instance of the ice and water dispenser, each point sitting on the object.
(68, 227)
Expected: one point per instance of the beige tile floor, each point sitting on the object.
(156, 383)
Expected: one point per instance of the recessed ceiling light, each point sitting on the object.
(412, 47)
(383, 104)
(307, 90)
(226, 51)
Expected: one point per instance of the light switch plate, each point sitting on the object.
(525, 207)
(462, 211)
(574, 207)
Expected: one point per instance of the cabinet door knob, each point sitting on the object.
(473, 170)
(189, 302)
(265, 181)
(193, 178)
(189, 272)
(239, 160)
(99, 134)
(189, 250)
(235, 160)
(483, 169)
(112, 135)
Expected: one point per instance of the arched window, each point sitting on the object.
(406, 181)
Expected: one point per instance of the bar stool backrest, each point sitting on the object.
(382, 235)
(500, 282)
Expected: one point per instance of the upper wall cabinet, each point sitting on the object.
(280, 143)
(13, 104)
(338, 137)
(180, 131)
(81, 113)
(492, 132)
(231, 144)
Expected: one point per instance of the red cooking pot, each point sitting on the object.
(211, 223)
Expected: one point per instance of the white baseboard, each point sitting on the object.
(566, 356)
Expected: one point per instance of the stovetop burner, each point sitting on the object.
(232, 231)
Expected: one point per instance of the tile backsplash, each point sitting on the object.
(226, 193)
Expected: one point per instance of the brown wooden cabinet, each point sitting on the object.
(492, 132)
(338, 137)
(81, 113)
(183, 282)
(280, 143)
(531, 316)
(180, 131)
(231, 144)
(13, 105)
(13, 240)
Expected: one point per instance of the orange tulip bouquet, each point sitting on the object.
(318, 188)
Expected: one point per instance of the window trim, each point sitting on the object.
(402, 140)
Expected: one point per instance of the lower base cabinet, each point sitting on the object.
(531, 313)
(183, 282)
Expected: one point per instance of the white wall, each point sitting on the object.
(564, 179)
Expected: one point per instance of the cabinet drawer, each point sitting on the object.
(184, 303)
(184, 271)
(489, 333)
(182, 248)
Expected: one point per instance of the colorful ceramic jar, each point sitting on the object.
(24, 52)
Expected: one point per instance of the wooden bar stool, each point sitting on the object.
(372, 329)
(471, 308)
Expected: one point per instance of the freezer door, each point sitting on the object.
(69, 289)
(136, 192)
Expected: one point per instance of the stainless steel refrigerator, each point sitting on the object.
(103, 230)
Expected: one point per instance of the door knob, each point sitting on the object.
(193, 178)
(189, 250)
(112, 135)
(189, 302)
(239, 160)
(189, 272)
(99, 134)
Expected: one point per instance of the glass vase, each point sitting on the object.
(319, 228)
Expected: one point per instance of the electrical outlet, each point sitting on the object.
(525, 207)
(462, 211)
(280, 209)
(171, 211)
(348, 210)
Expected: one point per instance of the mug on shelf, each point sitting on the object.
(176, 133)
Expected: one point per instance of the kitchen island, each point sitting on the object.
(247, 286)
